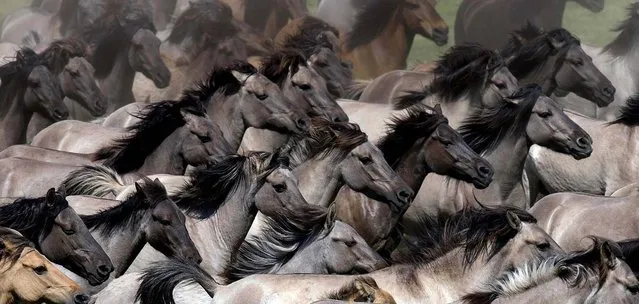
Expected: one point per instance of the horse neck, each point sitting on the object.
(319, 180)
(411, 167)
(166, 158)
(227, 115)
(14, 120)
(219, 236)
(122, 247)
(306, 260)
(118, 85)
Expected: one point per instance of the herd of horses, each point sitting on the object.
(244, 151)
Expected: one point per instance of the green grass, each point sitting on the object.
(591, 28)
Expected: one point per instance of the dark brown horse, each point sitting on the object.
(383, 34)
(267, 16)
(489, 22)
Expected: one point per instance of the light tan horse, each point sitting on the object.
(28, 277)
(360, 290)
(383, 34)
(267, 16)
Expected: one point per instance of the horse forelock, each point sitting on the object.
(276, 67)
(210, 21)
(306, 36)
(221, 80)
(13, 245)
(59, 52)
(33, 217)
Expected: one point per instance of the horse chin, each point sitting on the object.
(480, 183)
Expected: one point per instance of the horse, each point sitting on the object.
(319, 42)
(147, 216)
(598, 274)
(615, 61)
(556, 61)
(549, 172)
(362, 289)
(477, 246)
(490, 22)
(267, 16)
(383, 32)
(417, 143)
(286, 246)
(65, 58)
(503, 135)
(568, 217)
(27, 276)
(46, 155)
(59, 234)
(123, 42)
(301, 84)
(27, 87)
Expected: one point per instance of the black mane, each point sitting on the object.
(14, 74)
(484, 131)
(112, 33)
(530, 56)
(206, 21)
(11, 246)
(484, 230)
(33, 217)
(220, 80)
(629, 113)
(209, 187)
(420, 121)
(126, 214)
(158, 121)
(307, 38)
(629, 31)
(276, 66)
(463, 68)
(59, 52)
(370, 22)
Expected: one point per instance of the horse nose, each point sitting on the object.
(405, 196)
(81, 299)
(61, 114)
(340, 117)
(608, 91)
(302, 124)
(194, 256)
(105, 270)
(441, 32)
(484, 171)
(583, 143)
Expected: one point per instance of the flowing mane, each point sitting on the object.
(206, 21)
(59, 52)
(484, 131)
(324, 137)
(158, 121)
(629, 113)
(420, 121)
(574, 269)
(12, 244)
(33, 217)
(209, 188)
(478, 230)
(112, 33)
(629, 31)
(221, 80)
(463, 68)
(308, 37)
(370, 22)
(530, 55)
(14, 74)
(279, 241)
(128, 213)
(276, 67)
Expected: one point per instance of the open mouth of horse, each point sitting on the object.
(98, 108)
(603, 100)
(59, 115)
(481, 183)
(580, 153)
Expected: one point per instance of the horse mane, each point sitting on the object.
(129, 212)
(370, 22)
(276, 66)
(57, 55)
(630, 250)
(482, 230)
(411, 98)
(574, 269)
(220, 80)
(528, 56)
(12, 244)
(306, 39)
(32, 217)
(14, 74)
(629, 29)
(484, 130)
(278, 243)
(350, 289)
(629, 112)
(209, 187)
(463, 68)
(112, 33)
(157, 122)
(323, 138)
(208, 21)
(419, 121)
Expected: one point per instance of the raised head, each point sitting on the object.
(44, 95)
(144, 57)
(347, 251)
(78, 84)
(421, 17)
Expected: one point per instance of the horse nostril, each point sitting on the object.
(608, 91)
(104, 270)
(81, 299)
(484, 171)
(405, 195)
(583, 142)
(442, 32)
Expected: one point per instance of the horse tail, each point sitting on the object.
(355, 90)
(94, 180)
(158, 281)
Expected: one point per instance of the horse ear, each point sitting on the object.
(607, 252)
(513, 220)
(556, 42)
(438, 108)
(159, 184)
(139, 189)
(331, 214)
(50, 197)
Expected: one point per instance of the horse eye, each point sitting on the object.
(204, 139)
(545, 114)
(68, 231)
(279, 188)
(543, 246)
(366, 160)
(74, 73)
(261, 96)
(634, 289)
(350, 243)
(321, 64)
(578, 62)
(162, 221)
(40, 270)
(33, 83)
(304, 87)
(500, 85)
